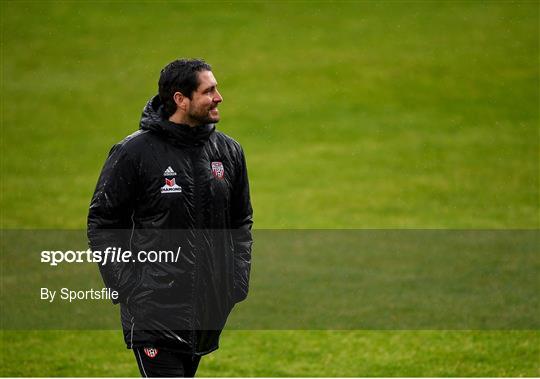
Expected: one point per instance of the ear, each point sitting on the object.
(180, 100)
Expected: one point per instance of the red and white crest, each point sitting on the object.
(170, 182)
(217, 170)
(151, 352)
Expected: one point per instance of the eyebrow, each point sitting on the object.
(210, 87)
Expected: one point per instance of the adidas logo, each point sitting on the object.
(169, 172)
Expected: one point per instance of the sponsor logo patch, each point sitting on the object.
(170, 186)
(217, 170)
(169, 172)
(151, 352)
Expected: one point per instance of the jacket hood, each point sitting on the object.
(152, 118)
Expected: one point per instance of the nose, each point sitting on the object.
(217, 98)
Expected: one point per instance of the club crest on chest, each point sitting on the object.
(217, 170)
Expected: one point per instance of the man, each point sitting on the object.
(177, 185)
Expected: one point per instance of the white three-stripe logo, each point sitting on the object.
(169, 172)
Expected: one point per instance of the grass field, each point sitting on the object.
(353, 115)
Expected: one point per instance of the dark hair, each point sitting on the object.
(179, 76)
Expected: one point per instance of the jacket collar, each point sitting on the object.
(185, 135)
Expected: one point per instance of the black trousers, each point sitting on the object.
(155, 362)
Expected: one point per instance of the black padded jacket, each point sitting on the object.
(173, 188)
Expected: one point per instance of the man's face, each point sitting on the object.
(202, 108)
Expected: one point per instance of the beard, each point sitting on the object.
(206, 116)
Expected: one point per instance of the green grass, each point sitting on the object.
(352, 115)
(290, 353)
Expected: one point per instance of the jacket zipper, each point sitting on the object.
(195, 247)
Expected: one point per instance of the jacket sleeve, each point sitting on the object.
(109, 219)
(242, 220)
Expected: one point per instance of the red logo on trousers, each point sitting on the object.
(151, 352)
